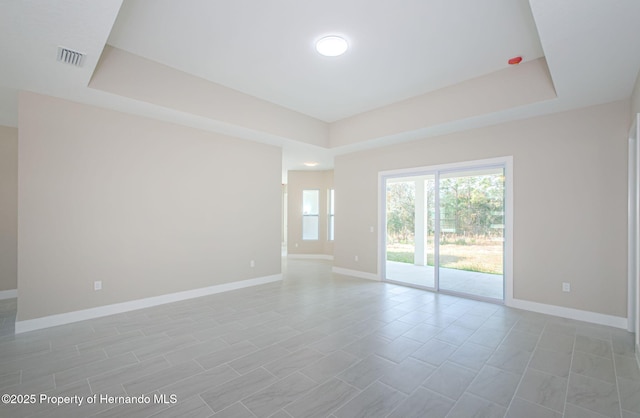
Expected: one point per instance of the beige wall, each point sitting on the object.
(296, 183)
(147, 207)
(479, 96)
(635, 97)
(8, 208)
(129, 75)
(570, 201)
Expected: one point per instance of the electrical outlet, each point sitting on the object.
(252, 263)
(355, 258)
(370, 229)
(97, 285)
(566, 287)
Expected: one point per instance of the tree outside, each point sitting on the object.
(471, 222)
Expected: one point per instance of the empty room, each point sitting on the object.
(337, 209)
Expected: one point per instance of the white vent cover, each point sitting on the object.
(69, 56)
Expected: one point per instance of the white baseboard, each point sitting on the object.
(8, 294)
(356, 273)
(570, 313)
(310, 256)
(75, 316)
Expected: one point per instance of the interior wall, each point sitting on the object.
(297, 182)
(635, 97)
(635, 109)
(472, 98)
(8, 208)
(570, 201)
(147, 207)
(129, 75)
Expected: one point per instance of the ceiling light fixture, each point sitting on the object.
(332, 46)
(311, 164)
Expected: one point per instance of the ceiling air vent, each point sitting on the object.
(69, 56)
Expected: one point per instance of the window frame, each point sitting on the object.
(331, 214)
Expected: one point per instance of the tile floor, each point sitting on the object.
(8, 316)
(323, 345)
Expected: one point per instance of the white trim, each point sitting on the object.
(446, 167)
(310, 256)
(632, 228)
(509, 209)
(356, 273)
(8, 294)
(570, 313)
(382, 225)
(633, 267)
(75, 316)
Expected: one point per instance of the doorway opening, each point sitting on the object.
(446, 228)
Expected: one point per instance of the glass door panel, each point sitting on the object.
(471, 241)
(410, 251)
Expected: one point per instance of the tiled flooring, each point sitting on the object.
(323, 345)
(7, 317)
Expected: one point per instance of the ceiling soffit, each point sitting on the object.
(125, 74)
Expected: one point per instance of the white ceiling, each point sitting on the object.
(398, 50)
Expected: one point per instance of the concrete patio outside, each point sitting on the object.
(454, 280)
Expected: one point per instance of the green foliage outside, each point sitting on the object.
(485, 257)
(401, 212)
(401, 257)
(471, 215)
(472, 206)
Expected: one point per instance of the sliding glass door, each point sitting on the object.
(445, 230)
(471, 207)
(410, 245)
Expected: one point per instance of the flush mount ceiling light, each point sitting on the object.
(311, 164)
(332, 46)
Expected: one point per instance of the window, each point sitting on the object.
(331, 213)
(310, 214)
